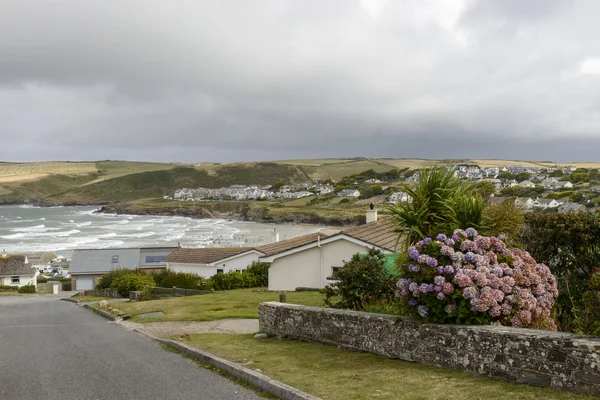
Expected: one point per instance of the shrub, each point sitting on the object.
(471, 279)
(587, 315)
(569, 243)
(361, 281)
(344, 201)
(42, 279)
(183, 280)
(67, 286)
(6, 288)
(259, 273)
(229, 281)
(131, 281)
(107, 278)
(27, 289)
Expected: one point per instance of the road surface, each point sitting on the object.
(55, 350)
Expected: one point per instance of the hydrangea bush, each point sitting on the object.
(472, 279)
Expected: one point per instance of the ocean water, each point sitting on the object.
(29, 229)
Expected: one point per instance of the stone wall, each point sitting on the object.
(540, 358)
(102, 293)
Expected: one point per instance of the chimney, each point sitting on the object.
(371, 214)
(275, 236)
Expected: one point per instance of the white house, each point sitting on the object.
(15, 270)
(372, 181)
(546, 203)
(313, 260)
(398, 197)
(571, 207)
(527, 203)
(349, 193)
(209, 261)
(527, 184)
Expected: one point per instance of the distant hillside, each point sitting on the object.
(157, 183)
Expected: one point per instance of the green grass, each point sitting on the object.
(242, 303)
(9, 293)
(337, 374)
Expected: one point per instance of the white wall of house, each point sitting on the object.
(237, 263)
(24, 280)
(305, 269)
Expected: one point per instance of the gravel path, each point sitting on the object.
(168, 329)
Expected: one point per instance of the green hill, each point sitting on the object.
(158, 183)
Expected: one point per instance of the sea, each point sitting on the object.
(60, 230)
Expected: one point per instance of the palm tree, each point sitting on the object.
(439, 202)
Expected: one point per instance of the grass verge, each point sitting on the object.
(242, 303)
(337, 374)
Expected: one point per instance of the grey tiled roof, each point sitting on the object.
(15, 265)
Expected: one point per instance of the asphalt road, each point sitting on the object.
(52, 349)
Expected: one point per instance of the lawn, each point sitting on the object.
(227, 304)
(337, 374)
(86, 299)
(9, 293)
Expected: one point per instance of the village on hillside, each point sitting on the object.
(563, 188)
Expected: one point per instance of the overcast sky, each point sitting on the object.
(238, 80)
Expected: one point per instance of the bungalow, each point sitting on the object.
(571, 207)
(527, 184)
(372, 181)
(89, 265)
(349, 193)
(311, 260)
(398, 197)
(546, 203)
(209, 261)
(15, 270)
(528, 204)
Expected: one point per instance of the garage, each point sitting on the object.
(84, 282)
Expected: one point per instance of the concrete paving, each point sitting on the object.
(51, 349)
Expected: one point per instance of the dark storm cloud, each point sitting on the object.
(273, 79)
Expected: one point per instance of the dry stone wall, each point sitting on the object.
(540, 358)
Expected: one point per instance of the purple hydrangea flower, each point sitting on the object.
(471, 232)
(440, 269)
(432, 262)
(430, 287)
(427, 240)
(414, 267)
(424, 288)
(441, 237)
(439, 280)
(449, 269)
(455, 237)
(441, 296)
(450, 242)
(413, 286)
(413, 253)
(470, 256)
(413, 302)
(422, 311)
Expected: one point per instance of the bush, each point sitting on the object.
(230, 280)
(361, 281)
(587, 315)
(5, 288)
(42, 279)
(258, 272)
(569, 243)
(183, 280)
(108, 278)
(471, 279)
(131, 281)
(67, 286)
(27, 289)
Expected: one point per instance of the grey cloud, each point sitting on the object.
(273, 79)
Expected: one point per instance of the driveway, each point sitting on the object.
(55, 350)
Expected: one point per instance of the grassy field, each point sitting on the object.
(337, 171)
(44, 168)
(338, 374)
(116, 169)
(242, 303)
(315, 161)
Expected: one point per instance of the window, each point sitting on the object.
(220, 271)
(238, 270)
(333, 271)
(15, 279)
(154, 259)
(115, 259)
